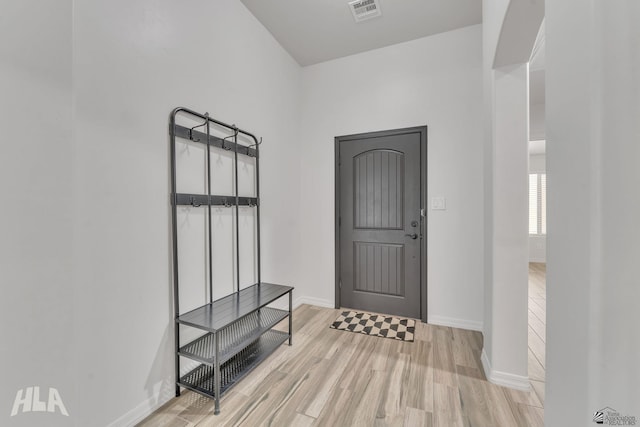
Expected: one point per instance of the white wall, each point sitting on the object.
(593, 105)
(133, 63)
(506, 362)
(36, 316)
(96, 176)
(435, 81)
(506, 114)
(493, 12)
(536, 122)
(537, 243)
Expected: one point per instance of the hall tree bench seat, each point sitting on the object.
(237, 329)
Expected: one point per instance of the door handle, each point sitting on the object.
(414, 236)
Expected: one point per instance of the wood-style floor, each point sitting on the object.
(537, 326)
(337, 378)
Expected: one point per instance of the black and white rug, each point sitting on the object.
(376, 325)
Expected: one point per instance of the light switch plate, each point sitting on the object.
(438, 204)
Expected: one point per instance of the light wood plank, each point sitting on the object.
(365, 409)
(283, 411)
(165, 420)
(531, 416)
(326, 386)
(333, 412)
(502, 413)
(417, 417)
(537, 347)
(538, 387)
(423, 332)
(390, 408)
(418, 379)
(537, 325)
(447, 406)
(529, 398)
(538, 306)
(475, 402)
(444, 368)
(536, 370)
(300, 420)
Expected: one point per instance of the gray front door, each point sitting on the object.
(380, 226)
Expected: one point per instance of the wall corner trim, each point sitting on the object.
(517, 382)
(453, 322)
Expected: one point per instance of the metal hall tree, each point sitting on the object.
(237, 329)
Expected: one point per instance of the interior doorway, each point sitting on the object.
(381, 222)
(537, 291)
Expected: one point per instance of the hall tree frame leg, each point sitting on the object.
(290, 318)
(217, 374)
(237, 329)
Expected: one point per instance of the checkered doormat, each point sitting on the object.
(376, 325)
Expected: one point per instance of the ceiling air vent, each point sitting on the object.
(364, 9)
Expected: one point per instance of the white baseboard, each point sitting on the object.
(518, 382)
(455, 323)
(313, 301)
(140, 412)
(283, 303)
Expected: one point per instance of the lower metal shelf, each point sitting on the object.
(234, 337)
(202, 378)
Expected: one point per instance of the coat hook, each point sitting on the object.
(198, 126)
(224, 145)
(254, 145)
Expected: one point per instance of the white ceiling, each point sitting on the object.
(321, 30)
